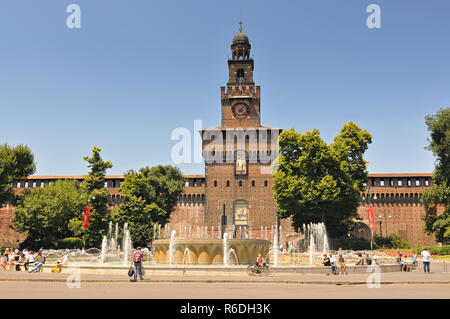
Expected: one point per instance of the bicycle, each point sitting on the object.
(254, 270)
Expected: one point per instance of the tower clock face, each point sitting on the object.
(240, 110)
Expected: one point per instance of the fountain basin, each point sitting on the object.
(210, 251)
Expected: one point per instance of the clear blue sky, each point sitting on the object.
(138, 69)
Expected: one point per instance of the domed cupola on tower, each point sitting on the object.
(240, 48)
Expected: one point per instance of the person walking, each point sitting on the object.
(426, 260)
(137, 259)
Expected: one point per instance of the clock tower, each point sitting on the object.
(240, 98)
(239, 154)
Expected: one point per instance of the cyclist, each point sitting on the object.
(259, 263)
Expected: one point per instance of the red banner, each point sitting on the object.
(87, 211)
(371, 218)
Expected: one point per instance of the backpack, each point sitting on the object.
(18, 267)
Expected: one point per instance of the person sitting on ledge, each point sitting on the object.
(375, 259)
(404, 264)
(368, 260)
(341, 261)
(5, 259)
(37, 266)
(61, 261)
(333, 264)
(326, 261)
(360, 260)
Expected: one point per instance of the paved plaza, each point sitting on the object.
(414, 284)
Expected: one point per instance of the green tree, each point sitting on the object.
(93, 185)
(316, 182)
(15, 162)
(148, 198)
(439, 193)
(44, 213)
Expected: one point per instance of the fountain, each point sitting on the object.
(104, 247)
(206, 250)
(188, 253)
(275, 248)
(127, 245)
(225, 249)
(171, 247)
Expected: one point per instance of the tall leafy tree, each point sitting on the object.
(439, 193)
(316, 182)
(93, 185)
(15, 162)
(149, 196)
(44, 213)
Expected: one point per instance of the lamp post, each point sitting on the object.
(381, 230)
(368, 205)
(387, 224)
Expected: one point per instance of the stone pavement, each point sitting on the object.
(440, 275)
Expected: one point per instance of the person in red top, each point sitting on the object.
(137, 259)
(259, 262)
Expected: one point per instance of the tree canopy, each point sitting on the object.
(148, 198)
(15, 162)
(44, 213)
(94, 186)
(439, 193)
(316, 182)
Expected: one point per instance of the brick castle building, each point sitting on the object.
(237, 185)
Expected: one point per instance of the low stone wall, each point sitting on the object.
(215, 270)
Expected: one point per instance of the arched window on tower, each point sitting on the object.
(240, 75)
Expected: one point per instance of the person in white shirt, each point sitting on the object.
(426, 260)
(333, 264)
(375, 260)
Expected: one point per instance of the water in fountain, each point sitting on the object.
(171, 246)
(104, 248)
(127, 244)
(225, 249)
(110, 233)
(188, 253)
(116, 236)
(275, 248)
(316, 237)
(312, 249)
(231, 251)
